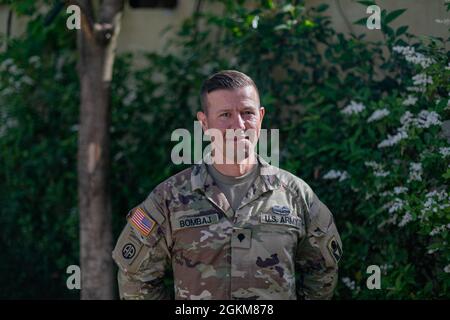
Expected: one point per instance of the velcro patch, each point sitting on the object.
(241, 238)
(197, 221)
(142, 222)
(129, 252)
(281, 219)
(335, 249)
(283, 210)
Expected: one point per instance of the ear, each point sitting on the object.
(262, 112)
(201, 116)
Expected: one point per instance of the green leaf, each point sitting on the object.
(322, 7)
(362, 21)
(269, 4)
(394, 15)
(366, 2)
(288, 8)
(401, 30)
(388, 30)
(446, 175)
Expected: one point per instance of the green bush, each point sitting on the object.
(387, 161)
(39, 111)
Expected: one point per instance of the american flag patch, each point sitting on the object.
(142, 222)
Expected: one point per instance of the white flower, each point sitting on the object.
(385, 267)
(412, 56)
(129, 98)
(437, 230)
(447, 268)
(406, 118)
(404, 50)
(335, 174)
(7, 91)
(332, 174)
(399, 190)
(415, 171)
(14, 70)
(444, 151)
(435, 201)
(396, 190)
(420, 82)
(378, 114)
(391, 220)
(417, 89)
(392, 140)
(377, 169)
(344, 176)
(6, 63)
(396, 205)
(34, 60)
(427, 119)
(255, 22)
(410, 101)
(422, 79)
(381, 173)
(353, 108)
(60, 62)
(233, 61)
(371, 164)
(207, 68)
(27, 80)
(7, 122)
(406, 219)
(424, 120)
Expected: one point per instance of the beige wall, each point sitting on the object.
(420, 17)
(141, 28)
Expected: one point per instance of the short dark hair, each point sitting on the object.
(225, 79)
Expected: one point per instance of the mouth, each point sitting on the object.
(237, 138)
(241, 138)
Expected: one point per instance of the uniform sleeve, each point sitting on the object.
(143, 256)
(318, 253)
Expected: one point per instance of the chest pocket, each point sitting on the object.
(195, 235)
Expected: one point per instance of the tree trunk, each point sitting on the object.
(96, 46)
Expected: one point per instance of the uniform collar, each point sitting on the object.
(202, 180)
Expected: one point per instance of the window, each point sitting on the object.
(170, 4)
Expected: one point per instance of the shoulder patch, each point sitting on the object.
(129, 252)
(142, 222)
(335, 249)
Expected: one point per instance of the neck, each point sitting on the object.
(237, 169)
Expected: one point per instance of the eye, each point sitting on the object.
(249, 112)
(225, 114)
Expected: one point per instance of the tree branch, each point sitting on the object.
(110, 12)
(86, 9)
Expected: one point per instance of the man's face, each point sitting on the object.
(235, 111)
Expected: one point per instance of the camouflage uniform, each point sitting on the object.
(281, 243)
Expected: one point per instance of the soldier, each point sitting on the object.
(230, 230)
